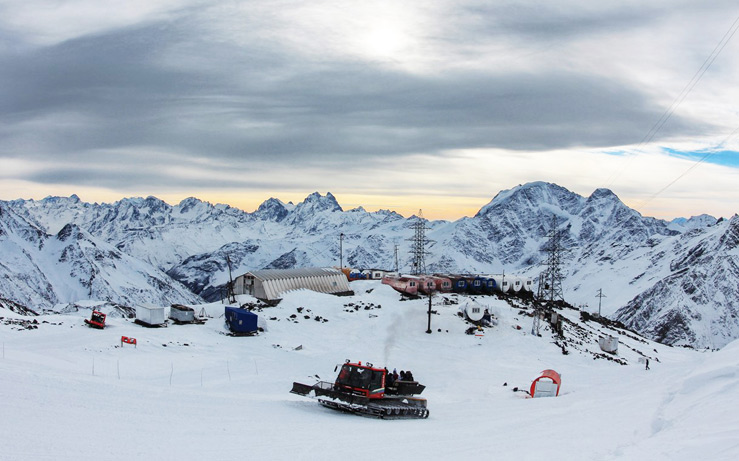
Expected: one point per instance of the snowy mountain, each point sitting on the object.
(632, 258)
(40, 270)
(696, 303)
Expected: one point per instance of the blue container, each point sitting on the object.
(476, 285)
(459, 284)
(490, 285)
(241, 320)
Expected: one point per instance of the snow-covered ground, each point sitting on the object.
(190, 392)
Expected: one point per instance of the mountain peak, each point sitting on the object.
(272, 209)
(189, 204)
(316, 202)
(602, 192)
(533, 195)
(72, 199)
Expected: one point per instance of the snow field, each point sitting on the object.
(221, 397)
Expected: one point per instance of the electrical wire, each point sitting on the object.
(692, 83)
(691, 168)
(676, 103)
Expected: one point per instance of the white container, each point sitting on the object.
(151, 315)
(474, 311)
(608, 344)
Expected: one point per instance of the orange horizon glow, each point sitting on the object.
(449, 208)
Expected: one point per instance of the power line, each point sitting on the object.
(692, 83)
(691, 168)
(681, 97)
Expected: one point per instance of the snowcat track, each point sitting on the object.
(393, 406)
(393, 411)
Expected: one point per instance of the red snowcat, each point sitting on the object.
(97, 320)
(367, 391)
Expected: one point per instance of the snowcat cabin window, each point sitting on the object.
(353, 376)
(376, 384)
(343, 377)
(413, 284)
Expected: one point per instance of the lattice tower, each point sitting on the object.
(418, 245)
(550, 282)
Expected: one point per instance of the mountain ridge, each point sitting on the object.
(610, 246)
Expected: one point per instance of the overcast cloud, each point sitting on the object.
(374, 101)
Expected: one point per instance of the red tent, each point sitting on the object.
(549, 374)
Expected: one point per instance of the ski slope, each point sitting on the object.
(191, 392)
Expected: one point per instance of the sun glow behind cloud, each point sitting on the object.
(401, 105)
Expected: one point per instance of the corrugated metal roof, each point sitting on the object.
(270, 284)
(281, 274)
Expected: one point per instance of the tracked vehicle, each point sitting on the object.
(368, 391)
(96, 320)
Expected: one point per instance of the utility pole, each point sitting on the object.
(600, 297)
(341, 250)
(428, 329)
(396, 259)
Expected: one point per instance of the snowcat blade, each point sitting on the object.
(301, 389)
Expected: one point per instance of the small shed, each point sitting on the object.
(502, 282)
(443, 284)
(181, 314)
(490, 285)
(546, 385)
(241, 321)
(608, 344)
(516, 284)
(474, 311)
(426, 284)
(403, 284)
(377, 274)
(527, 284)
(459, 283)
(476, 284)
(150, 316)
(270, 284)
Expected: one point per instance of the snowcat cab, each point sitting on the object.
(96, 320)
(361, 380)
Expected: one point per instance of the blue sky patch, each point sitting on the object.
(721, 157)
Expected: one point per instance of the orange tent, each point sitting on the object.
(549, 374)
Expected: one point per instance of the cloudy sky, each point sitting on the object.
(387, 104)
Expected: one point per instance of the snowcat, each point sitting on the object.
(96, 320)
(366, 390)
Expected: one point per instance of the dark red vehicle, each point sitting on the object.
(366, 390)
(97, 320)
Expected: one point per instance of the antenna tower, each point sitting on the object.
(418, 245)
(600, 297)
(231, 293)
(550, 282)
